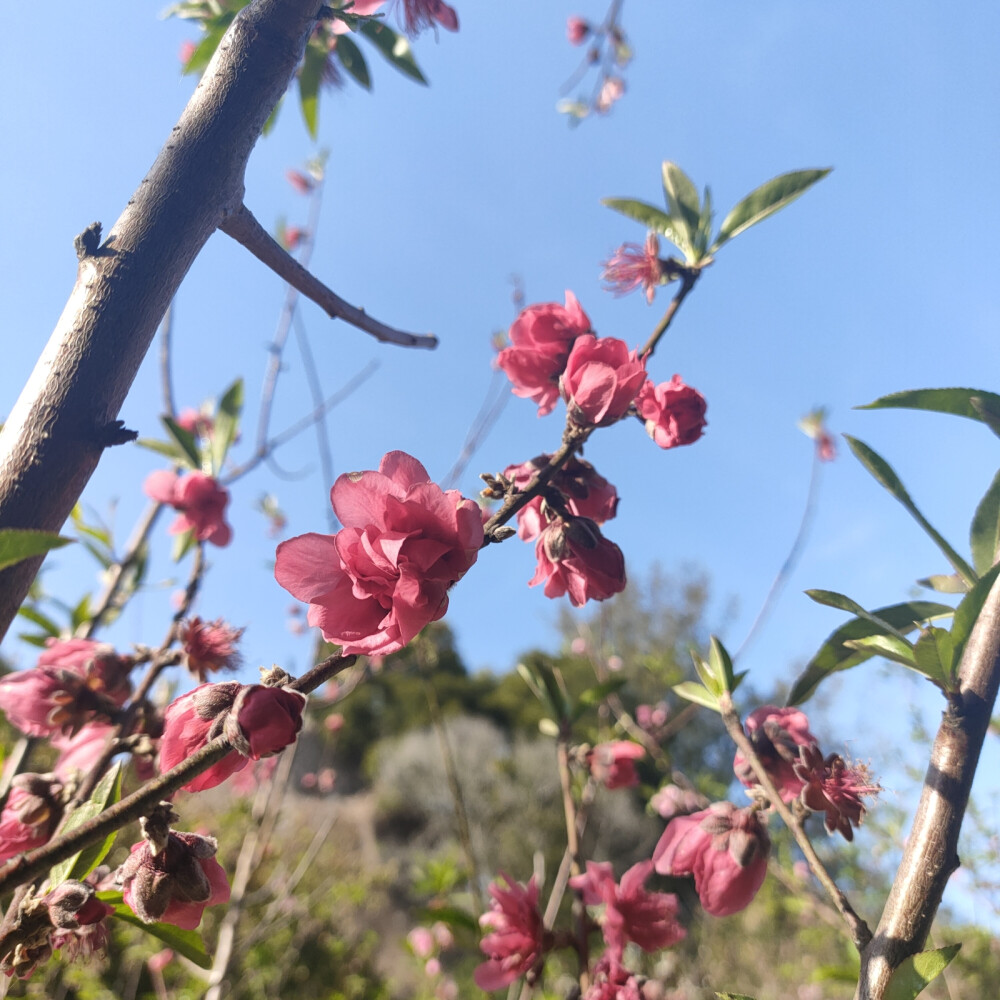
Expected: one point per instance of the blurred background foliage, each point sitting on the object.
(352, 842)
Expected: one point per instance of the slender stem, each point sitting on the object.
(860, 933)
(457, 796)
(573, 851)
(689, 278)
(117, 572)
(790, 560)
(245, 229)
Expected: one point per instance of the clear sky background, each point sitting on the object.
(881, 278)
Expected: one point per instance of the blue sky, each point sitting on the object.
(881, 278)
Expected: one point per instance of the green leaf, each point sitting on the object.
(713, 684)
(166, 448)
(183, 544)
(353, 61)
(704, 235)
(945, 583)
(107, 792)
(453, 916)
(834, 656)
(886, 476)
(935, 655)
(653, 218)
(959, 402)
(984, 534)
(691, 691)
(189, 453)
(395, 47)
(596, 694)
(186, 943)
(832, 599)
(722, 665)
(548, 727)
(227, 425)
(47, 624)
(310, 77)
(989, 412)
(101, 535)
(917, 971)
(766, 200)
(968, 611)
(205, 49)
(80, 613)
(684, 206)
(18, 544)
(899, 651)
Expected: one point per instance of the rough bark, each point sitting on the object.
(66, 414)
(931, 853)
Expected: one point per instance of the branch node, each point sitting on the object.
(88, 242)
(115, 432)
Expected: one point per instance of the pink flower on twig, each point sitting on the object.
(516, 940)
(375, 584)
(724, 848)
(613, 764)
(777, 735)
(575, 558)
(210, 646)
(541, 338)
(577, 30)
(674, 412)
(632, 266)
(199, 500)
(601, 380)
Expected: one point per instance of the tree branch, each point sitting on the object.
(931, 853)
(55, 436)
(245, 229)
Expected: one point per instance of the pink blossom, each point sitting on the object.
(673, 800)
(613, 89)
(834, 787)
(612, 981)
(199, 500)
(630, 912)
(613, 764)
(724, 848)
(81, 752)
(575, 558)
(75, 681)
(601, 380)
(541, 338)
(577, 30)
(258, 720)
(78, 918)
(293, 236)
(776, 735)
(419, 14)
(674, 412)
(421, 941)
(185, 52)
(517, 938)
(302, 183)
(374, 585)
(210, 646)
(175, 882)
(195, 422)
(191, 721)
(31, 814)
(632, 266)
(585, 491)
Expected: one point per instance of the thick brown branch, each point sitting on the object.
(245, 229)
(52, 441)
(931, 853)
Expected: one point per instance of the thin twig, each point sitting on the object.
(790, 560)
(859, 930)
(689, 278)
(322, 432)
(244, 228)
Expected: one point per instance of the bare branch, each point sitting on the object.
(244, 228)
